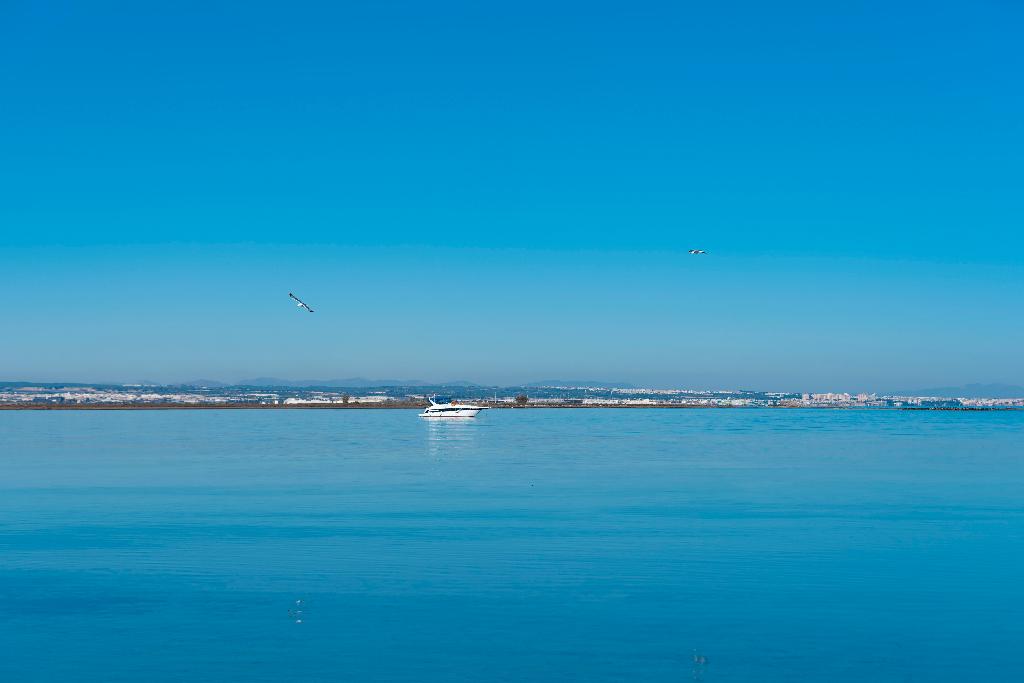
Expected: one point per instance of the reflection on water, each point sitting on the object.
(296, 611)
(449, 437)
(700, 666)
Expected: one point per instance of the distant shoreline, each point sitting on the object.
(409, 405)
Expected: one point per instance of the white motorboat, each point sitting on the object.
(450, 408)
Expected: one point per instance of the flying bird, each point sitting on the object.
(301, 303)
(697, 251)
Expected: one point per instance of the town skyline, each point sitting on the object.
(252, 397)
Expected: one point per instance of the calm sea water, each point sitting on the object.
(533, 545)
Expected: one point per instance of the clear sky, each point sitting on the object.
(505, 192)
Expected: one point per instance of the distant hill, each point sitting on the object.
(349, 382)
(968, 391)
(579, 383)
(345, 383)
(48, 385)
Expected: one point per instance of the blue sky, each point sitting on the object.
(505, 194)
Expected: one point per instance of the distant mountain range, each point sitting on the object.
(348, 382)
(968, 391)
(363, 382)
(579, 383)
(965, 391)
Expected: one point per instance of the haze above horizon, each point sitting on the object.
(506, 193)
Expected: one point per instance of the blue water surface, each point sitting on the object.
(526, 545)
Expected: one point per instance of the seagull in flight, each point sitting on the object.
(697, 252)
(301, 303)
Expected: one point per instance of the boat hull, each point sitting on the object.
(448, 413)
